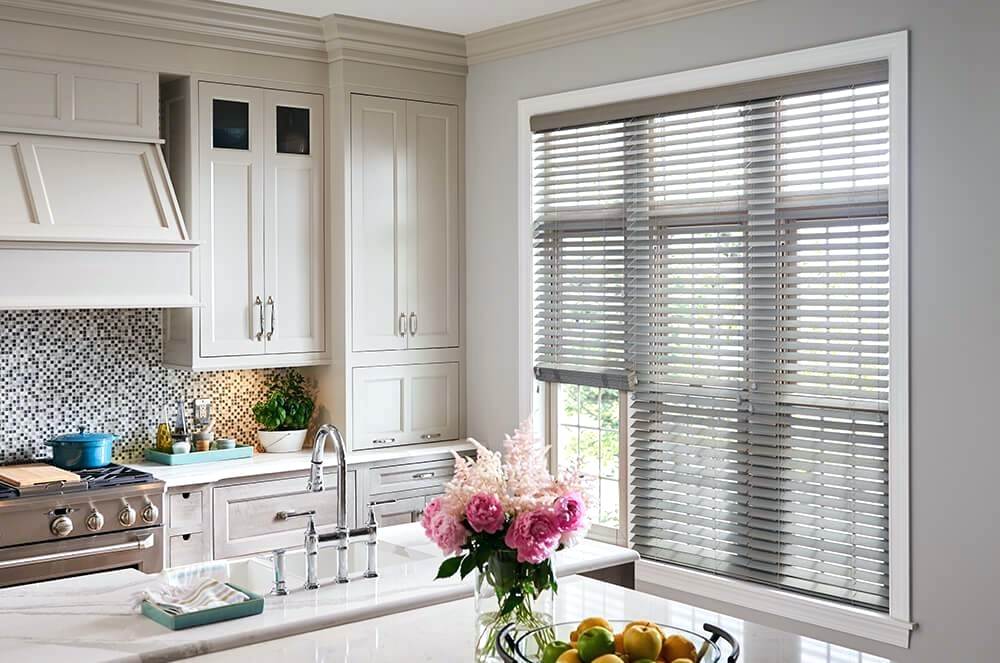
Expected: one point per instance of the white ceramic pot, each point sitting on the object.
(282, 441)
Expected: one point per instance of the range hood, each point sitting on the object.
(90, 223)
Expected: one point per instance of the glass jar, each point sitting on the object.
(492, 588)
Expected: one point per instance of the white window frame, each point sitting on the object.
(550, 407)
(895, 627)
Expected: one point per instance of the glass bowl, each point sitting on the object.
(521, 646)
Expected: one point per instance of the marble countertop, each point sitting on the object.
(89, 619)
(444, 633)
(276, 463)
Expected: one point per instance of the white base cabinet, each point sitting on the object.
(239, 517)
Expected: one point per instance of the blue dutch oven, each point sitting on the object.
(82, 450)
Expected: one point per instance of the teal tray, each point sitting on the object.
(239, 451)
(254, 606)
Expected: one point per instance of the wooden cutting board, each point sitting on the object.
(23, 476)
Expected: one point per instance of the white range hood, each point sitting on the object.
(90, 223)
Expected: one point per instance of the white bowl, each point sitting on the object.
(282, 441)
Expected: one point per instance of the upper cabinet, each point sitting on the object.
(404, 230)
(85, 100)
(260, 218)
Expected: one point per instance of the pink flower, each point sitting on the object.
(430, 511)
(534, 535)
(447, 532)
(485, 513)
(569, 511)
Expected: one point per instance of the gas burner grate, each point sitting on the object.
(113, 475)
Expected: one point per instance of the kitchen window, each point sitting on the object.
(721, 258)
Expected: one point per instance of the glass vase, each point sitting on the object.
(492, 587)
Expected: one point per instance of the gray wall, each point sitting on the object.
(954, 256)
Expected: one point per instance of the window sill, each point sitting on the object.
(844, 619)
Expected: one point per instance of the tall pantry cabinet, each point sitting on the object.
(405, 271)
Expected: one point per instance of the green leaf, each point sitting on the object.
(468, 563)
(449, 567)
(511, 602)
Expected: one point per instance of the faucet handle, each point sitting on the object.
(280, 588)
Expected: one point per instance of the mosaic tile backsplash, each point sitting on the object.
(60, 370)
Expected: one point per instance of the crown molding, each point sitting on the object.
(351, 38)
(189, 22)
(596, 19)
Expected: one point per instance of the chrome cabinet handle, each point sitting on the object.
(260, 310)
(413, 324)
(381, 502)
(383, 440)
(430, 436)
(292, 513)
(402, 324)
(270, 302)
(423, 475)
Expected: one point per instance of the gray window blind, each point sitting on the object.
(752, 238)
(760, 438)
(579, 248)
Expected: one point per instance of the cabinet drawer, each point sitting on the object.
(187, 549)
(246, 515)
(408, 404)
(186, 510)
(411, 476)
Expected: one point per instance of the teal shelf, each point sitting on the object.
(253, 606)
(239, 451)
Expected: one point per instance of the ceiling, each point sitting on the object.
(458, 16)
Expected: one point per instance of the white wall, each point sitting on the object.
(955, 259)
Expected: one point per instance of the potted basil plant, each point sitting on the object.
(284, 413)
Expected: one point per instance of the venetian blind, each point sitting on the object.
(735, 256)
(761, 299)
(579, 248)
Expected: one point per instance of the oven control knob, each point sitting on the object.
(95, 520)
(150, 513)
(61, 526)
(126, 516)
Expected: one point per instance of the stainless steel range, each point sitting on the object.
(111, 519)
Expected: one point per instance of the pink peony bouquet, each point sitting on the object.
(504, 515)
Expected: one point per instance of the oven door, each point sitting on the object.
(138, 549)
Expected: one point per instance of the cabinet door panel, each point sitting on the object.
(400, 405)
(378, 266)
(232, 198)
(432, 225)
(293, 225)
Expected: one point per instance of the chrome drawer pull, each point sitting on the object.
(430, 436)
(423, 475)
(285, 515)
(384, 440)
(402, 324)
(413, 324)
(381, 502)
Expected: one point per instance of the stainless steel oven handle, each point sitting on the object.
(143, 543)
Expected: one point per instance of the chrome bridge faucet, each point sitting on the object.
(343, 534)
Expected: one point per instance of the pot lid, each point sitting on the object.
(83, 437)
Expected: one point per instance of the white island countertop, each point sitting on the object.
(90, 618)
(445, 633)
(261, 464)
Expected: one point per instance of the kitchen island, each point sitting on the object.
(444, 633)
(90, 619)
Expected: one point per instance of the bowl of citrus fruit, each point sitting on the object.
(598, 640)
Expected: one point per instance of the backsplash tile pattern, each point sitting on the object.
(101, 369)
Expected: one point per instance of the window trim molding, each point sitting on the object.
(894, 47)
